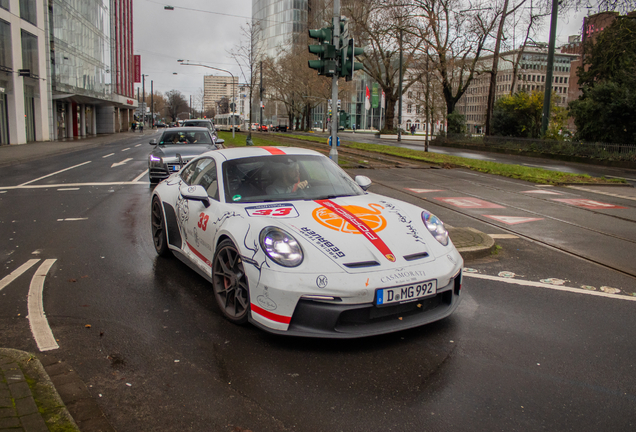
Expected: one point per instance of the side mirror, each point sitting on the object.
(195, 193)
(220, 141)
(363, 181)
(153, 142)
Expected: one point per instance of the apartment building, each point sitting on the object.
(530, 77)
(216, 88)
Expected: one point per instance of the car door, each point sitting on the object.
(201, 226)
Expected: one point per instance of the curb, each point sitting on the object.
(471, 243)
(38, 406)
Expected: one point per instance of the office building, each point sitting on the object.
(92, 66)
(216, 88)
(24, 72)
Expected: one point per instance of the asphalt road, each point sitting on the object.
(541, 353)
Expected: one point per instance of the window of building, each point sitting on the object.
(410, 95)
(30, 53)
(408, 108)
(542, 78)
(565, 80)
(28, 11)
(5, 45)
(4, 4)
(417, 109)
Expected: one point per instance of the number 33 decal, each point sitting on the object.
(269, 212)
(203, 221)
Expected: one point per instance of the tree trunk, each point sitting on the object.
(493, 73)
(390, 101)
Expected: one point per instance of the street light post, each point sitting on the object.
(143, 87)
(184, 63)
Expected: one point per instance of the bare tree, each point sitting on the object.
(247, 54)
(175, 104)
(455, 34)
(384, 29)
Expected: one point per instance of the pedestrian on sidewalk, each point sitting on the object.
(141, 127)
(133, 126)
(354, 128)
(412, 129)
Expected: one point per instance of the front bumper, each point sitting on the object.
(344, 321)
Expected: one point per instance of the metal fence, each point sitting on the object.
(603, 151)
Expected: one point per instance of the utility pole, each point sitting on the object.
(152, 104)
(399, 134)
(261, 96)
(550, 77)
(333, 152)
(143, 85)
(428, 88)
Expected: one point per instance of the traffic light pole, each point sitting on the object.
(333, 152)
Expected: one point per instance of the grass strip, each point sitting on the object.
(531, 174)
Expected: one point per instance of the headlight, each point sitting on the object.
(436, 227)
(281, 247)
(154, 158)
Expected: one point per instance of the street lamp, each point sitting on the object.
(184, 63)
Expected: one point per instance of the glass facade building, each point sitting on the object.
(281, 22)
(92, 66)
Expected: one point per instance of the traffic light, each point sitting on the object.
(327, 65)
(348, 63)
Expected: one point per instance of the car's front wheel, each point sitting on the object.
(230, 283)
(159, 237)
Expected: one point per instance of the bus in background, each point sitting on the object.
(224, 122)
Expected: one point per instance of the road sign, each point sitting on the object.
(467, 202)
(513, 220)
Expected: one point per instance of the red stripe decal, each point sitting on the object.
(270, 316)
(274, 150)
(199, 254)
(360, 226)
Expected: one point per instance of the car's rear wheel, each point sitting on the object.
(230, 283)
(159, 237)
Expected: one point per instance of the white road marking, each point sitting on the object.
(39, 324)
(16, 273)
(108, 155)
(120, 163)
(138, 145)
(126, 149)
(602, 192)
(71, 219)
(72, 184)
(548, 286)
(4, 191)
(52, 174)
(136, 179)
(68, 189)
(503, 236)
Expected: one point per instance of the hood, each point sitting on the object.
(187, 151)
(360, 233)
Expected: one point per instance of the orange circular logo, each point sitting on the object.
(372, 217)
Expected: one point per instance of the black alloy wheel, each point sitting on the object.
(230, 283)
(159, 237)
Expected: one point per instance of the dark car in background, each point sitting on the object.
(200, 123)
(176, 147)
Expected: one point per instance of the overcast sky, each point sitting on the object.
(205, 30)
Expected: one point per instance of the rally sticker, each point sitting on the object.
(272, 210)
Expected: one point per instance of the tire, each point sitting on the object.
(230, 283)
(159, 237)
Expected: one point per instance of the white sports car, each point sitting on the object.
(293, 245)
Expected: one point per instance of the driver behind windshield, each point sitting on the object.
(288, 180)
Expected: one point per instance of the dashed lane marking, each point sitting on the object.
(138, 145)
(16, 273)
(126, 149)
(108, 155)
(68, 189)
(71, 219)
(39, 324)
(52, 174)
(549, 286)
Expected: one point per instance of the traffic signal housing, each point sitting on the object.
(348, 64)
(327, 65)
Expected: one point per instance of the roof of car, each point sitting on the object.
(242, 152)
(186, 129)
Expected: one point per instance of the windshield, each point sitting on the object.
(199, 123)
(185, 137)
(284, 178)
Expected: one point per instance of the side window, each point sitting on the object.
(206, 176)
(191, 172)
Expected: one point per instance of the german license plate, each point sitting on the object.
(406, 293)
